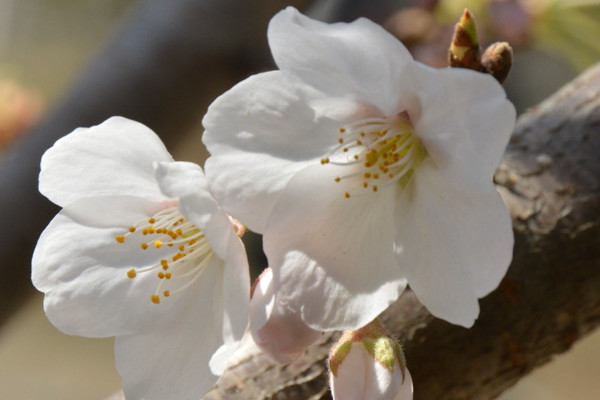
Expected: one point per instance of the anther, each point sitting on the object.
(183, 262)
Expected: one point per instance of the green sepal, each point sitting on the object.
(383, 350)
(338, 355)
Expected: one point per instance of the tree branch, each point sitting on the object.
(550, 180)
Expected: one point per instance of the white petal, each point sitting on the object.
(463, 119)
(186, 181)
(259, 134)
(332, 257)
(406, 389)
(454, 247)
(83, 271)
(113, 158)
(236, 292)
(221, 358)
(112, 211)
(278, 331)
(358, 59)
(173, 363)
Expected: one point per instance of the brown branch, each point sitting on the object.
(550, 180)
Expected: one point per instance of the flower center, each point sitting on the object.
(387, 151)
(186, 251)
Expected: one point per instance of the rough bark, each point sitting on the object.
(550, 180)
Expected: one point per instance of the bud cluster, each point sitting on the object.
(464, 51)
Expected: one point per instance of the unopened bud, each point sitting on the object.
(368, 364)
(277, 330)
(464, 50)
(497, 60)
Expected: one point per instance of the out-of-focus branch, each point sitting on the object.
(550, 180)
(162, 68)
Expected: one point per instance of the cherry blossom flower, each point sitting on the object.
(277, 330)
(365, 171)
(368, 364)
(141, 251)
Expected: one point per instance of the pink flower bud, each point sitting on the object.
(368, 364)
(277, 330)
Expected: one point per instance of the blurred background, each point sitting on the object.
(68, 63)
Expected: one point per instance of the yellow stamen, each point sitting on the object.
(386, 148)
(185, 263)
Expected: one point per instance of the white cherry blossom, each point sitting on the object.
(365, 171)
(141, 251)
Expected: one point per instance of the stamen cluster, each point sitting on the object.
(387, 149)
(169, 229)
